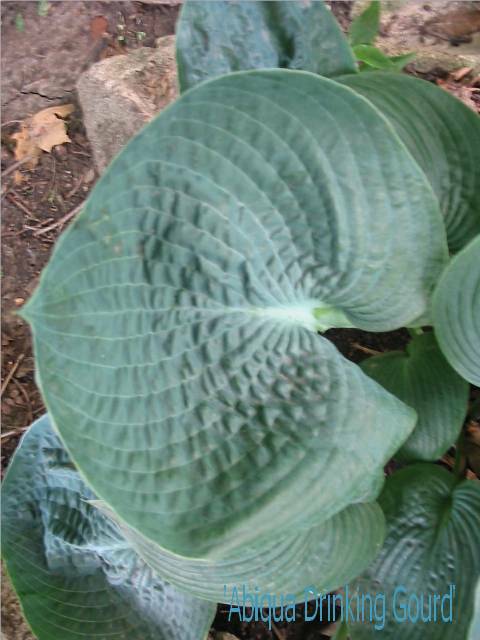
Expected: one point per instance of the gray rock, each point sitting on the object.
(119, 95)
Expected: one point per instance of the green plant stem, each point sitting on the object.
(414, 332)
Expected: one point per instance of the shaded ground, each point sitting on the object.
(42, 59)
(43, 56)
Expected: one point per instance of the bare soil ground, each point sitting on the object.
(42, 58)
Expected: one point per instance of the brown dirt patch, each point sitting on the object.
(42, 57)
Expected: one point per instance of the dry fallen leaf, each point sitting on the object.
(461, 73)
(17, 177)
(41, 132)
(98, 26)
(460, 91)
(473, 431)
(89, 176)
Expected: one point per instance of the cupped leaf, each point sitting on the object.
(175, 326)
(424, 380)
(324, 557)
(214, 38)
(442, 134)
(456, 312)
(364, 28)
(74, 573)
(431, 552)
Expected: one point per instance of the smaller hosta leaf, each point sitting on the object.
(364, 28)
(424, 380)
(432, 549)
(456, 312)
(324, 557)
(74, 573)
(214, 38)
(441, 133)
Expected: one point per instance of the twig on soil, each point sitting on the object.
(13, 234)
(278, 634)
(11, 373)
(27, 227)
(76, 187)
(26, 398)
(59, 223)
(15, 199)
(14, 432)
(371, 352)
(330, 631)
(5, 124)
(448, 460)
(81, 153)
(15, 166)
(51, 188)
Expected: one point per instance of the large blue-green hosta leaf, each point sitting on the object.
(324, 557)
(433, 543)
(456, 312)
(424, 380)
(214, 38)
(74, 573)
(175, 326)
(442, 134)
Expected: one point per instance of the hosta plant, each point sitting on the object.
(202, 433)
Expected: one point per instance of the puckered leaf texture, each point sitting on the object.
(214, 38)
(74, 573)
(175, 326)
(432, 545)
